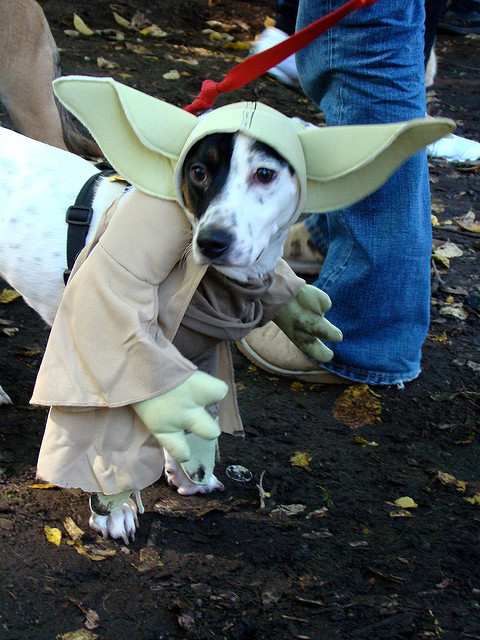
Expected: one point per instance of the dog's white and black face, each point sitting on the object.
(242, 196)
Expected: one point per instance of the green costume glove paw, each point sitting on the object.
(304, 323)
(182, 409)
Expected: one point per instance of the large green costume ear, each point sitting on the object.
(348, 163)
(141, 136)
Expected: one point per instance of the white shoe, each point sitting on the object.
(454, 148)
(285, 71)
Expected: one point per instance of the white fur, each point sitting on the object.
(259, 215)
(39, 182)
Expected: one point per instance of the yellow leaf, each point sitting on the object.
(357, 406)
(405, 503)
(442, 337)
(123, 22)
(238, 45)
(72, 529)
(94, 554)
(299, 459)
(80, 634)
(474, 499)
(442, 259)
(53, 534)
(8, 295)
(469, 225)
(448, 479)
(449, 300)
(297, 386)
(43, 485)
(467, 440)
(154, 31)
(365, 443)
(81, 27)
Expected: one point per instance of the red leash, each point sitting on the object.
(260, 63)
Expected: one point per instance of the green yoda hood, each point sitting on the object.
(146, 141)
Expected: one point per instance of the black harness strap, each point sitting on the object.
(79, 217)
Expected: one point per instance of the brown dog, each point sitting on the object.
(28, 65)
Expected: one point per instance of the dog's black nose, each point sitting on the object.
(213, 243)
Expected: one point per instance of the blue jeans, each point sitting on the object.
(370, 69)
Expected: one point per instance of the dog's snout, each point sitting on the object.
(214, 243)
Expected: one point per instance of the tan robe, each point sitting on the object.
(111, 346)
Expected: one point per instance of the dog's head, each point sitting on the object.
(242, 197)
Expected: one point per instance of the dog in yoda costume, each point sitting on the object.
(137, 369)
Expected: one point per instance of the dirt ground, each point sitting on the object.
(324, 552)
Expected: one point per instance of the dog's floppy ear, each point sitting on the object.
(141, 136)
(347, 163)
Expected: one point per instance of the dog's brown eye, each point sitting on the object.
(264, 175)
(198, 174)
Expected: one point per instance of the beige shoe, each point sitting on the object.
(270, 349)
(300, 252)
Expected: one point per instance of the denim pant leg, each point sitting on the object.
(370, 69)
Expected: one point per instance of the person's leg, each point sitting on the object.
(370, 69)
(286, 11)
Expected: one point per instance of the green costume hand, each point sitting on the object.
(182, 409)
(304, 323)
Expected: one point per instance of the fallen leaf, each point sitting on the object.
(238, 45)
(154, 31)
(43, 485)
(405, 503)
(475, 366)
(93, 553)
(297, 386)
(81, 634)
(103, 63)
(171, 75)
(357, 406)
(149, 559)
(123, 22)
(475, 499)
(8, 295)
(137, 48)
(53, 534)
(442, 337)
(92, 620)
(469, 225)
(365, 443)
(299, 459)
(448, 479)
(288, 509)
(215, 36)
(456, 310)
(72, 529)
(81, 27)
(10, 331)
(448, 250)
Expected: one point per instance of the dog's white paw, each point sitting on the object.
(121, 523)
(177, 478)
(4, 397)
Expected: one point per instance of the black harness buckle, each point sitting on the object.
(79, 215)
